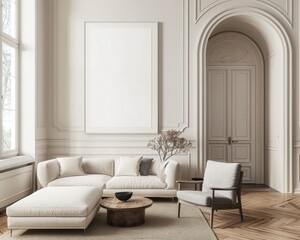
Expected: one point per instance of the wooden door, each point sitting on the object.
(231, 116)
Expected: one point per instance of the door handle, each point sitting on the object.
(235, 141)
(229, 140)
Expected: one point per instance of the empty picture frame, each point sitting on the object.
(121, 78)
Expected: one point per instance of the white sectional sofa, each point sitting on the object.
(101, 173)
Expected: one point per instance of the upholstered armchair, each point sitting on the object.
(221, 189)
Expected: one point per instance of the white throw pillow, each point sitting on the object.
(128, 166)
(70, 166)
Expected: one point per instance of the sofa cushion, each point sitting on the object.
(145, 165)
(135, 182)
(157, 167)
(98, 166)
(92, 180)
(70, 166)
(57, 202)
(202, 198)
(128, 166)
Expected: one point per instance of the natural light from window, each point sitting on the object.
(9, 77)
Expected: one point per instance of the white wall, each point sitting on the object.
(179, 86)
(66, 77)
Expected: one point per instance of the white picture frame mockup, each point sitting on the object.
(121, 78)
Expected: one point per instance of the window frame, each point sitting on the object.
(14, 43)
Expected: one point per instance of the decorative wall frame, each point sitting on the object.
(121, 78)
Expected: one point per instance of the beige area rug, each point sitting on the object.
(161, 222)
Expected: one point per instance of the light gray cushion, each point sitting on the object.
(202, 198)
(145, 165)
(221, 175)
(70, 166)
(98, 166)
(128, 166)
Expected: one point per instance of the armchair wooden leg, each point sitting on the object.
(211, 217)
(240, 205)
(178, 214)
(241, 212)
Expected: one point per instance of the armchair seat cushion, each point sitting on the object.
(91, 180)
(202, 198)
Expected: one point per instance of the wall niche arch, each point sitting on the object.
(274, 43)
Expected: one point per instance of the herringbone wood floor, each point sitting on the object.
(267, 215)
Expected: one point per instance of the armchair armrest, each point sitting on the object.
(224, 189)
(189, 181)
(179, 182)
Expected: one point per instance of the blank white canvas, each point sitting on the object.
(121, 77)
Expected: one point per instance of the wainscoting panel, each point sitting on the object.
(296, 167)
(15, 184)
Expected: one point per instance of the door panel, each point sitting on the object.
(218, 152)
(217, 104)
(231, 116)
(247, 176)
(241, 104)
(241, 153)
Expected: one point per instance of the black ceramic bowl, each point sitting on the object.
(123, 196)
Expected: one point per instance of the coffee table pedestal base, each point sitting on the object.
(126, 218)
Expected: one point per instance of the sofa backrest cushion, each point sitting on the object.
(70, 166)
(155, 167)
(145, 165)
(98, 166)
(128, 166)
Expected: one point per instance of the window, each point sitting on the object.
(9, 73)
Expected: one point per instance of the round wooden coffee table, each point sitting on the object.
(126, 214)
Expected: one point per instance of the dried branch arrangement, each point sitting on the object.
(168, 144)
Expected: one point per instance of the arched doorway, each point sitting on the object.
(273, 40)
(235, 103)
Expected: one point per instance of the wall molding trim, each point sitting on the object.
(286, 12)
(182, 125)
(296, 144)
(55, 107)
(239, 43)
(141, 144)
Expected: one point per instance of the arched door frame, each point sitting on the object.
(211, 21)
(257, 60)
